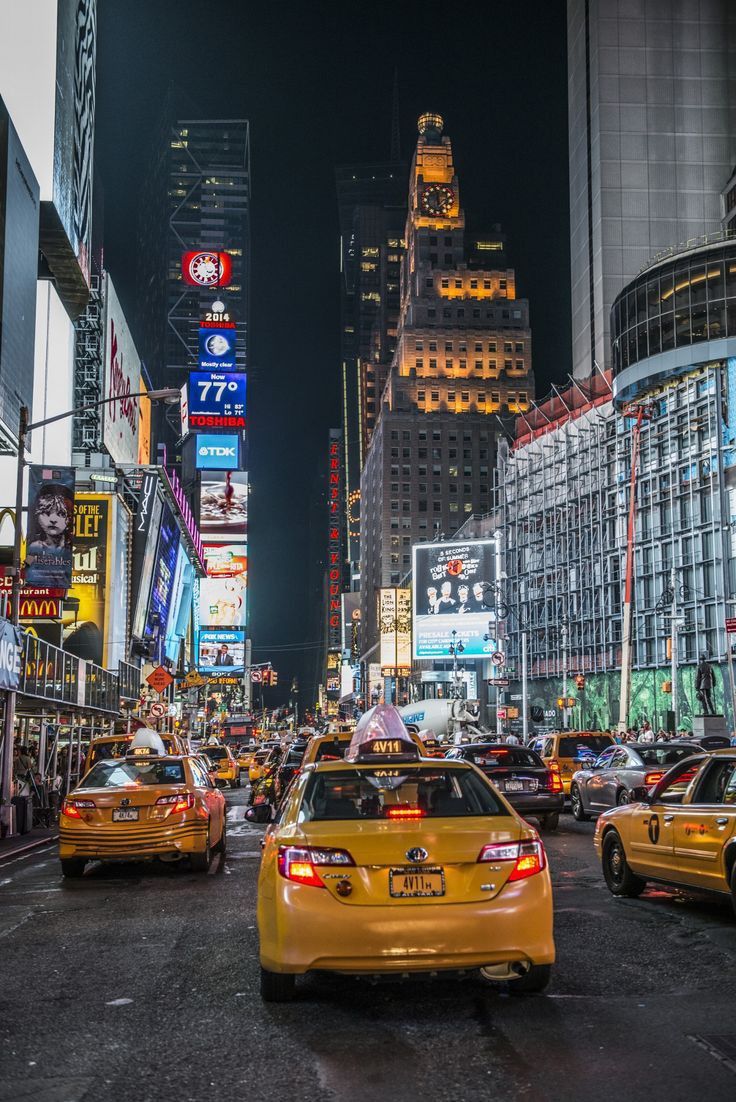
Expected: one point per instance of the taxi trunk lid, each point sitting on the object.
(135, 804)
(385, 873)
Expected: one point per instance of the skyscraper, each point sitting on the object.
(463, 355)
(652, 129)
(196, 197)
(372, 208)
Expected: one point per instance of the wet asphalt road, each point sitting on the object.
(139, 983)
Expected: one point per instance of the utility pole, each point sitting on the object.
(524, 692)
(673, 645)
(564, 672)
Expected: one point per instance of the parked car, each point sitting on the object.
(521, 775)
(609, 781)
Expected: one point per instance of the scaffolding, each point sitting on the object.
(88, 373)
(563, 497)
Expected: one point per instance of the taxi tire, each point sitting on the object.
(72, 868)
(221, 846)
(536, 979)
(732, 881)
(579, 814)
(623, 883)
(550, 821)
(200, 862)
(277, 987)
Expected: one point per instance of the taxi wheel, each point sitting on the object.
(576, 803)
(536, 979)
(277, 987)
(733, 886)
(618, 876)
(221, 846)
(201, 862)
(550, 821)
(72, 867)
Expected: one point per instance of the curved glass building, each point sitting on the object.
(678, 313)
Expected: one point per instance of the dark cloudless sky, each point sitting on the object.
(314, 77)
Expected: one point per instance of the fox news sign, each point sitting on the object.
(217, 453)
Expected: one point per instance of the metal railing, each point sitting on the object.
(714, 238)
(49, 673)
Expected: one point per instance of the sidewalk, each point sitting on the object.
(20, 844)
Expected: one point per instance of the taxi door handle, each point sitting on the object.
(668, 818)
(722, 822)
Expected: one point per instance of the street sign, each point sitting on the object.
(256, 676)
(499, 682)
(498, 658)
(194, 680)
(500, 713)
(159, 679)
(731, 625)
(157, 710)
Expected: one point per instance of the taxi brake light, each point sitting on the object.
(555, 780)
(405, 813)
(178, 803)
(73, 808)
(554, 765)
(300, 863)
(652, 778)
(528, 857)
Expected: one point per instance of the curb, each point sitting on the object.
(28, 847)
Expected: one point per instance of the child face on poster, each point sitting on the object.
(53, 515)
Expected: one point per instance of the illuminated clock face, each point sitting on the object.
(204, 269)
(437, 199)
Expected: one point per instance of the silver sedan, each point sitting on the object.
(619, 769)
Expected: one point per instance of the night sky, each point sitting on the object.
(314, 77)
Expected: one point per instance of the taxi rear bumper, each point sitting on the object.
(306, 929)
(145, 841)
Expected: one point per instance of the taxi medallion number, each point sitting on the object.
(407, 883)
(125, 815)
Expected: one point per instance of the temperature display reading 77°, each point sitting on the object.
(216, 400)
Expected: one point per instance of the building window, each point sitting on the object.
(435, 395)
(474, 284)
(508, 346)
(432, 365)
(518, 347)
(478, 346)
(448, 346)
(451, 396)
(478, 365)
(476, 313)
(486, 284)
(422, 505)
(458, 283)
(464, 396)
(447, 313)
(508, 365)
(429, 283)
(445, 283)
(481, 398)
(420, 395)
(461, 312)
(463, 365)
(419, 363)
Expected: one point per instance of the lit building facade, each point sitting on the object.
(463, 354)
(563, 498)
(196, 197)
(652, 140)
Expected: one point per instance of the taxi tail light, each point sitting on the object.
(554, 780)
(177, 803)
(553, 765)
(300, 863)
(652, 778)
(73, 808)
(528, 857)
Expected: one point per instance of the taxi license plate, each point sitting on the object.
(125, 815)
(404, 883)
(514, 786)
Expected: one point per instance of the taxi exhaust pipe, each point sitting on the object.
(510, 970)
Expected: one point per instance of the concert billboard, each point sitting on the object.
(454, 590)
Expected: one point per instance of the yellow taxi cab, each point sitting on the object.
(334, 745)
(228, 770)
(682, 831)
(263, 759)
(144, 805)
(117, 746)
(244, 757)
(565, 752)
(420, 864)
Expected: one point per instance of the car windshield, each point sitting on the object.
(216, 752)
(664, 755)
(116, 774)
(583, 745)
(105, 750)
(331, 751)
(401, 792)
(486, 756)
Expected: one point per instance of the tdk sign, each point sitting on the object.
(218, 453)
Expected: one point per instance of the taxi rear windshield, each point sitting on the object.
(572, 747)
(117, 749)
(664, 755)
(502, 757)
(399, 793)
(331, 751)
(215, 752)
(114, 774)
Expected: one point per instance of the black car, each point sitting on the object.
(521, 775)
(712, 742)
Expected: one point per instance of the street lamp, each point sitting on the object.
(456, 647)
(168, 396)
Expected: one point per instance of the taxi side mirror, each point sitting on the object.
(259, 814)
(640, 795)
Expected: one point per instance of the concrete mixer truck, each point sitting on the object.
(446, 719)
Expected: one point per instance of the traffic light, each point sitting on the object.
(580, 683)
(274, 677)
(560, 702)
(266, 677)
(666, 686)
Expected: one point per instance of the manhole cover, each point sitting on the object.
(720, 1045)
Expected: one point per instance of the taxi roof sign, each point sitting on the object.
(381, 734)
(146, 742)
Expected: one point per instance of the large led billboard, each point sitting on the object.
(216, 452)
(122, 372)
(221, 651)
(216, 400)
(222, 594)
(454, 585)
(217, 345)
(223, 506)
